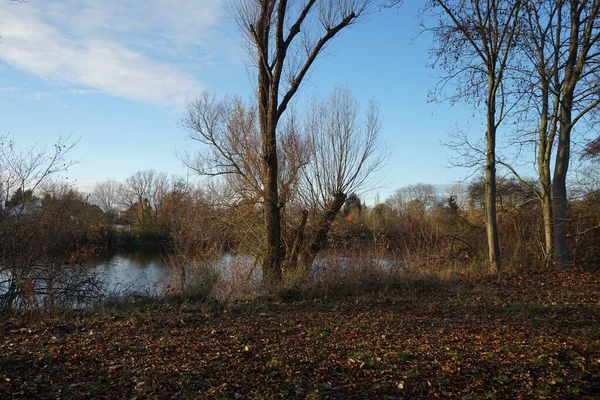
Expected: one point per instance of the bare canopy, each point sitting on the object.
(284, 39)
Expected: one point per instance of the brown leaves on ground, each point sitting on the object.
(535, 336)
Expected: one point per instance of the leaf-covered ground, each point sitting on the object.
(532, 336)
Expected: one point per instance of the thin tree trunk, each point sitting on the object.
(559, 197)
(490, 183)
(548, 223)
(292, 259)
(322, 230)
(544, 160)
(546, 139)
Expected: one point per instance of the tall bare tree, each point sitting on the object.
(106, 195)
(474, 45)
(285, 38)
(579, 82)
(425, 194)
(144, 192)
(559, 82)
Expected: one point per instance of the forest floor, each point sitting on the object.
(519, 336)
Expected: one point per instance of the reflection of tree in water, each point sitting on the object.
(141, 272)
(145, 259)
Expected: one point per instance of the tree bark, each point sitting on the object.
(546, 139)
(292, 259)
(548, 220)
(267, 112)
(490, 181)
(559, 192)
(319, 240)
(563, 150)
(272, 213)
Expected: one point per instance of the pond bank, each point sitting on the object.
(515, 336)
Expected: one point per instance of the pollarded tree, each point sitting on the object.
(285, 38)
(229, 130)
(345, 154)
(329, 154)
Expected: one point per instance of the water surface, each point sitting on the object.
(148, 272)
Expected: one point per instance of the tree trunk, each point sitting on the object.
(292, 259)
(272, 261)
(563, 150)
(548, 223)
(546, 138)
(322, 230)
(267, 112)
(491, 222)
(559, 197)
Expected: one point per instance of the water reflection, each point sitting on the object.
(134, 272)
(148, 273)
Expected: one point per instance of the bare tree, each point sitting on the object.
(345, 154)
(106, 196)
(474, 44)
(423, 193)
(592, 149)
(26, 169)
(285, 38)
(40, 229)
(144, 193)
(330, 153)
(559, 82)
(229, 129)
(580, 67)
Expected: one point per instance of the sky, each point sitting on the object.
(116, 76)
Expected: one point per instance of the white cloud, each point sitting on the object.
(85, 185)
(81, 91)
(38, 96)
(109, 45)
(7, 90)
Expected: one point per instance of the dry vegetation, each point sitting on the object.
(516, 336)
(282, 320)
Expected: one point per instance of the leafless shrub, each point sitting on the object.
(45, 230)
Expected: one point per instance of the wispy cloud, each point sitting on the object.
(7, 90)
(109, 46)
(38, 96)
(81, 91)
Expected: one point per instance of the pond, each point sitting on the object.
(134, 272)
(148, 272)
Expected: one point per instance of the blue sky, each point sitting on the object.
(116, 75)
